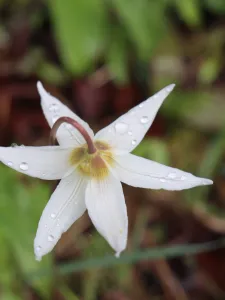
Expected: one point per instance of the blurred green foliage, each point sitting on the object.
(121, 35)
(20, 209)
(115, 32)
(94, 30)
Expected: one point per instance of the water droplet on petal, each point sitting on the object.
(144, 120)
(183, 177)
(24, 166)
(162, 180)
(38, 248)
(14, 145)
(53, 216)
(9, 164)
(53, 107)
(141, 105)
(130, 133)
(50, 238)
(55, 118)
(172, 175)
(121, 127)
(134, 142)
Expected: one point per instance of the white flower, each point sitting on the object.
(92, 181)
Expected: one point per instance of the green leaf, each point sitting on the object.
(117, 56)
(154, 149)
(80, 30)
(130, 258)
(20, 210)
(213, 156)
(207, 168)
(144, 22)
(51, 73)
(190, 12)
(209, 70)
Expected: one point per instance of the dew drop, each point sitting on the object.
(24, 166)
(50, 238)
(162, 180)
(55, 118)
(14, 145)
(38, 248)
(9, 164)
(121, 127)
(144, 120)
(130, 132)
(134, 142)
(172, 175)
(183, 177)
(141, 105)
(53, 107)
(53, 216)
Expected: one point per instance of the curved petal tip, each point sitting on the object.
(207, 181)
(41, 89)
(117, 254)
(38, 258)
(170, 87)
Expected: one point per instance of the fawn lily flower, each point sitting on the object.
(91, 168)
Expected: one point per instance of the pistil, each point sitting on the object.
(79, 127)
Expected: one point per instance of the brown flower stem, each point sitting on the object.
(79, 127)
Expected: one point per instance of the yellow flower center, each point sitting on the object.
(92, 165)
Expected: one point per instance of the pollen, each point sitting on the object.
(94, 165)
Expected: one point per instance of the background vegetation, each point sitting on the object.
(102, 57)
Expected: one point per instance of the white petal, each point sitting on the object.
(49, 162)
(54, 109)
(128, 131)
(144, 173)
(65, 206)
(107, 209)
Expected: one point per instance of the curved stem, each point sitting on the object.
(80, 128)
